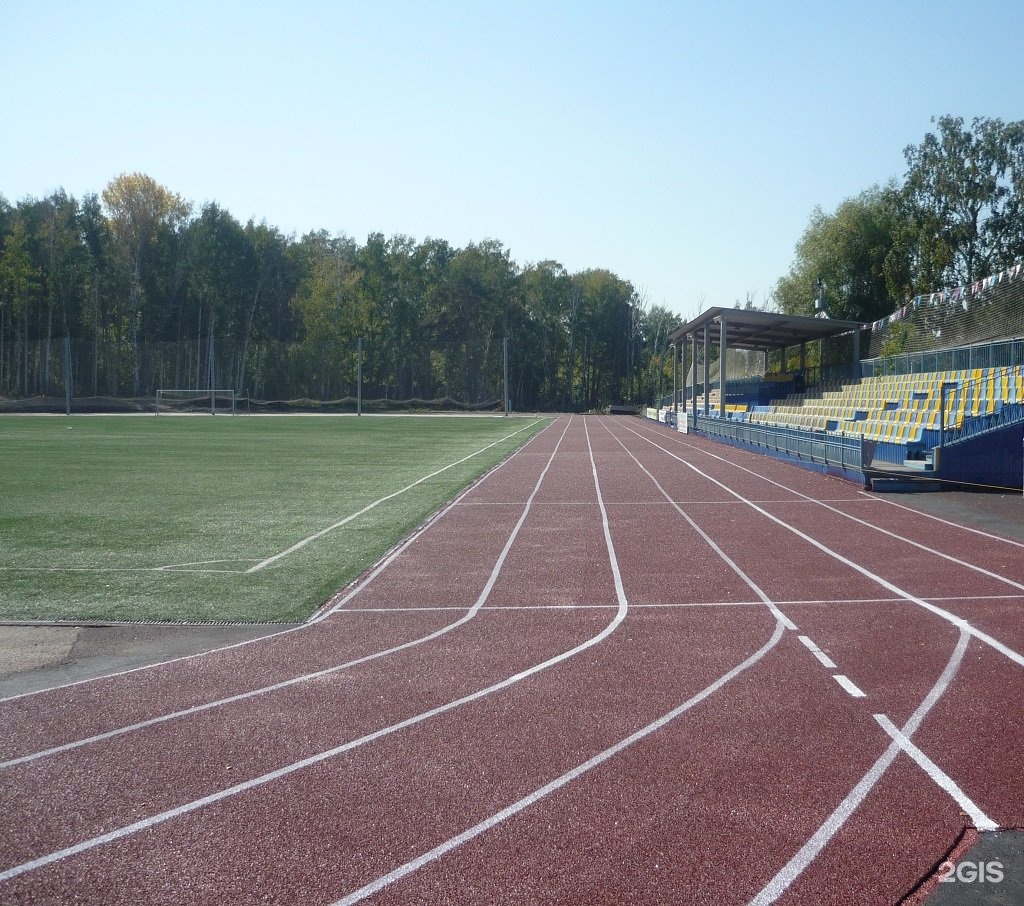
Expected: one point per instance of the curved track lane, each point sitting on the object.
(630, 667)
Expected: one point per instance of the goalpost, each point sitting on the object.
(178, 400)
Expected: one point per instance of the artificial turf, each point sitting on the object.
(94, 509)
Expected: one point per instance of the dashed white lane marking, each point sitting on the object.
(494, 820)
(849, 685)
(981, 821)
(817, 652)
(807, 853)
(316, 535)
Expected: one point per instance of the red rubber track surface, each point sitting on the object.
(501, 737)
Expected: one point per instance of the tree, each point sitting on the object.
(137, 207)
(963, 195)
(852, 253)
(19, 288)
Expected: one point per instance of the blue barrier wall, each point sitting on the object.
(991, 459)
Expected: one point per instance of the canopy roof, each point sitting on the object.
(760, 330)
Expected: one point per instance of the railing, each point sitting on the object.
(826, 449)
(1008, 414)
(982, 355)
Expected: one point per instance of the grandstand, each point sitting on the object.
(912, 414)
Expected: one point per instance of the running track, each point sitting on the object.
(625, 666)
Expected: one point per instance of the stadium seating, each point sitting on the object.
(896, 409)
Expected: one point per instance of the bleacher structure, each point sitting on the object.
(953, 415)
(906, 415)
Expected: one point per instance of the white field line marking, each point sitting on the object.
(864, 571)
(353, 589)
(957, 525)
(817, 652)
(778, 885)
(494, 608)
(516, 807)
(255, 782)
(284, 684)
(301, 544)
(778, 614)
(849, 685)
(808, 499)
(981, 821)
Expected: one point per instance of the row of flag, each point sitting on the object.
(961, 294)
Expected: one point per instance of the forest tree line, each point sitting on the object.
(153, 294)
(956, 217)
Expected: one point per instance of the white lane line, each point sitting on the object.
(808, 499)
(817, 652)
(778, 885)
(778, 614)
(247, 785)
(965, 528)
(325, 611)
(849, 685)
(284, 684)
(516, 807)
(316, 535)
(960, 623)
(981, 821)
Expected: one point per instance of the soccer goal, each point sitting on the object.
(212, 401)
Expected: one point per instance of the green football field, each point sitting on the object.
(219, 518)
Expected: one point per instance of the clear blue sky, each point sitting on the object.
(681, 145)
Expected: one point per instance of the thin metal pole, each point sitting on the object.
(504, 346)
(213, 405)
(67, 374)
(675, 399)
(359, 377)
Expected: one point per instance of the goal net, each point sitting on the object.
(212, 401)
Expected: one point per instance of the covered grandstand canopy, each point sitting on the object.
(736, 328)
(759, 330)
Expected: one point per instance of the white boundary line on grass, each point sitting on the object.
(326, 609)
(316, 535)
(284, 684)
(253, 783)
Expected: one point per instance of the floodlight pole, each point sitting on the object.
(504, 346)
(359, 376)
(213, 402)
(67, 374)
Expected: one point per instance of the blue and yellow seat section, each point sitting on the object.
(897, 409)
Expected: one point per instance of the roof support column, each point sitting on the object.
(682, 380)
(694, 382)
(721, 368)
(707, 375)
(856, 352)
(675, 378)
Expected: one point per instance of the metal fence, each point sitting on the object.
(823, 449)
(982, 355)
